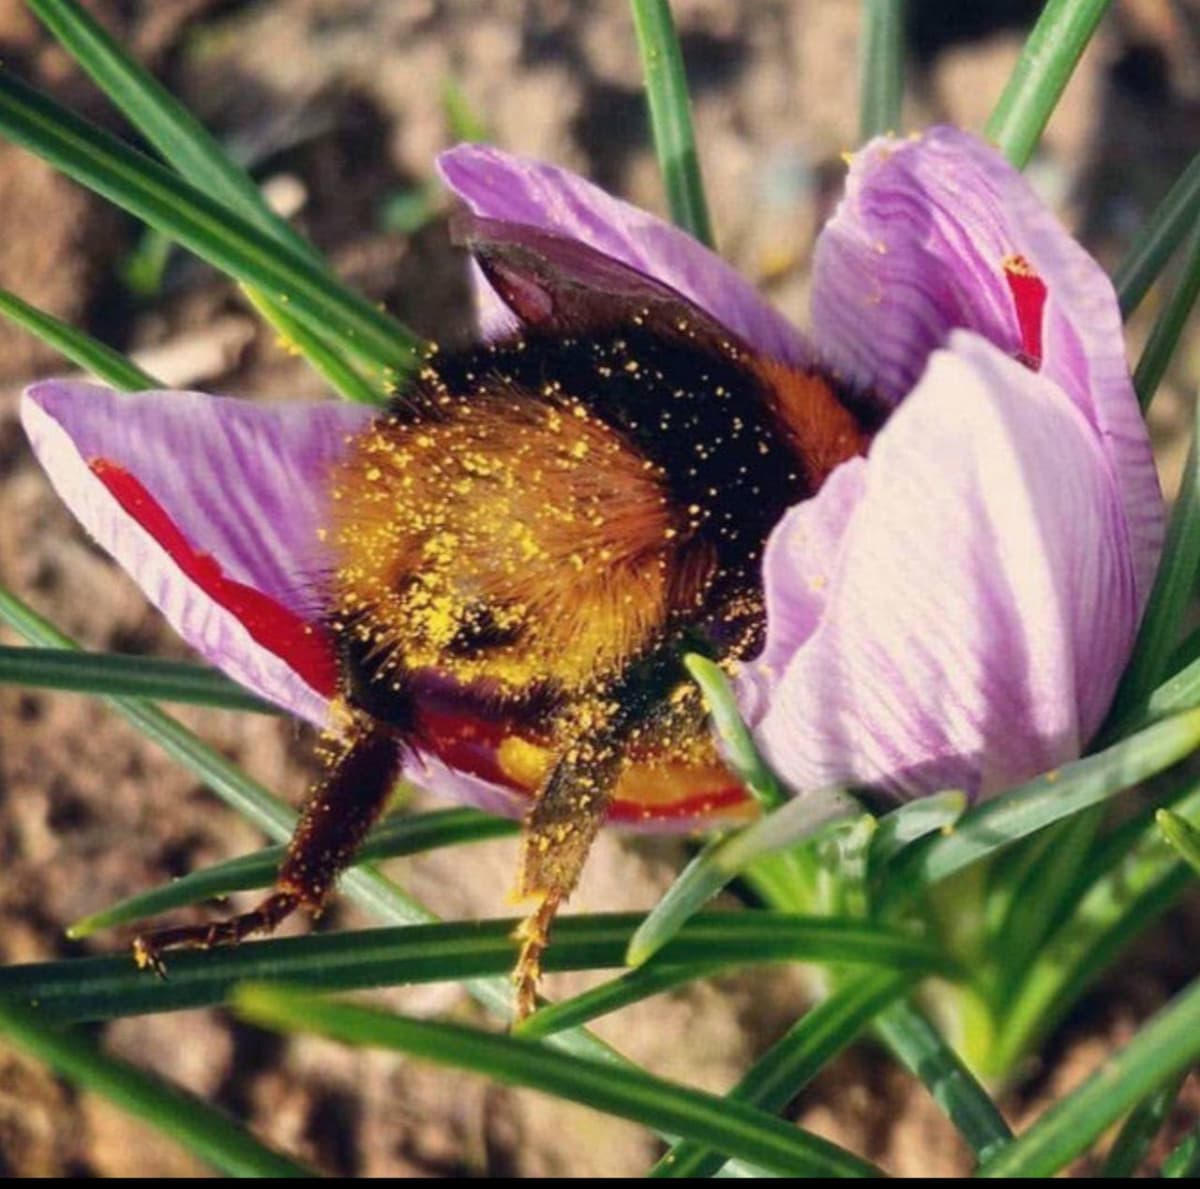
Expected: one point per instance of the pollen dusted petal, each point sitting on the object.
(925, 241)
(489, 765)
(216, 519)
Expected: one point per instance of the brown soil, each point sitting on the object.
(337, 103)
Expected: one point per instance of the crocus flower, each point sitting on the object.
(952, 610)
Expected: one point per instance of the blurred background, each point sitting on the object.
(338, 107)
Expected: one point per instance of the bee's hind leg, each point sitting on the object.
(555, 842)
(572, 804)
(362, 764)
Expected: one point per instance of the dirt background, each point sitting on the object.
(337, 106)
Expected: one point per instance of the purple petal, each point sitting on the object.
(933, 235)
(428, 772)
(213, 506)
(801, 555)
(981, 601)
(503, 188)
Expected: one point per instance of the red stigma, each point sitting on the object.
(1029, 299)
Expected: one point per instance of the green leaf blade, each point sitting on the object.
(738, 1129)
(161, 118)
(1174, 217)
(1138, 1132)
(787, 1067)
(671, 117)
(611, 996)
(922, 1050)
(109, 987)
(81, 349)
(396, 837)
(160, 198)
(723, 859)
(1020, 812)
(1168, 328)
(1043, 70)
(1172, 593)
(110, 674)
(881, 68)
(207, 1132)
(1163, 1049)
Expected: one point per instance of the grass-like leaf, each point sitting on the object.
(736, 1128)
(324, 360)
(1132, 878)
(913, 821)
(1180, 691)
(1029, 898)
(397, 836)
(1056, 795)
(1138, 1131)
(1047, 61)
(145, 265)
(1163, 1049)
(923, 1051)
(1172, 594)
(1184, 1160)
(211, 1135)
(723, 859)
(790, 1064)
(160, 198)
(631, 987)
(370, 890)
(106, 987)
(187, 145)
(1158, 237)
(81, 349)
(881, 67)
(1181, 835)
(740, 750)
(110, 673)
(465, 123)
(181, 139)
(367, 887)
(671, 116)
(1168, 328)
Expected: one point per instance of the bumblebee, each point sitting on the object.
(526, 543)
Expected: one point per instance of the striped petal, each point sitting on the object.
(213, 506)
(505, 189)
(939, 232)
(976, 608)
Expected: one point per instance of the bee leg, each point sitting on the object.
(362, 765)
(571, 807)
(557, 836)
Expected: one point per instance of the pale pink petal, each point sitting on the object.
(980, 603)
